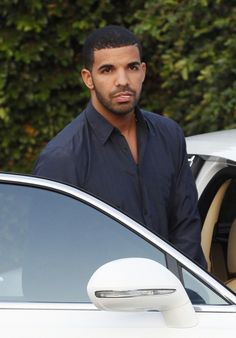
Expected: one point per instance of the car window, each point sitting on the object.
(198, 292)
(50, 244)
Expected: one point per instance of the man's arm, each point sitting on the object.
(185, 225)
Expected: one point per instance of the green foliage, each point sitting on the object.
(194, 61)
(189, 46)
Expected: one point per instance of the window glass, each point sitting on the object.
(200, 293)
(50, 245)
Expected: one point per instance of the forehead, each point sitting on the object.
(115, 56)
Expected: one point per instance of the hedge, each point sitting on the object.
(189, 47)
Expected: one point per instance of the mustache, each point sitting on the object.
(122, 90)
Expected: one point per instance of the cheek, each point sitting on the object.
(139, 84)
(103, 84)
(138, 80)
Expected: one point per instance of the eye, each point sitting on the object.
(106, 69)
(134, 66)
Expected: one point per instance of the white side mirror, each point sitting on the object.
(140, 284)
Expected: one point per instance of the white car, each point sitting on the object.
(73, 266)
(212, 157)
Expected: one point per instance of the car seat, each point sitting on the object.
(231, 258)
(210, 222)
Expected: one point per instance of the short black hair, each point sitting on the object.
(111, 36)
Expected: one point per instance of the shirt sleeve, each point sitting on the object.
(56, 165)
(185, 224)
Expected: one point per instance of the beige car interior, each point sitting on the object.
(213, 252)
(231, 257)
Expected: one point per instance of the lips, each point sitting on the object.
(123, 97)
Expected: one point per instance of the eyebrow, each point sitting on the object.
(134, 63)
(108, 65)
(105, 66)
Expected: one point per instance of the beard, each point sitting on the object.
(118, 108)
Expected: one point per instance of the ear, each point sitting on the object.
(144, 68)
(87, 78)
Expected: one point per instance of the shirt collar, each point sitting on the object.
(140, 118)
(102, 128)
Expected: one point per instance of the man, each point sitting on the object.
(133, 159)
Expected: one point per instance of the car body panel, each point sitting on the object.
(208, 172)
(220, 144)
(95, 324)
(71, 323)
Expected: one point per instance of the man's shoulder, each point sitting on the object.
(166, 132)
(69, 135)
(159, 122)
(58, 159)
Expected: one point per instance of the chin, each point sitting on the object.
(122, 110)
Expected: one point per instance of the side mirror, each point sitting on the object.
(140, 284)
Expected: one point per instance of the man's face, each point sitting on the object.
(116, 80)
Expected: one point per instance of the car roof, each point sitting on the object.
(219, 143)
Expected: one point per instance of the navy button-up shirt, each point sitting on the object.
(158, 192)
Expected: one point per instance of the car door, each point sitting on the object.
(216, 183)
(52, 239)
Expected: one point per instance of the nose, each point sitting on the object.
(122, 78)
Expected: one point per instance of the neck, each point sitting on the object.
(122, 122)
